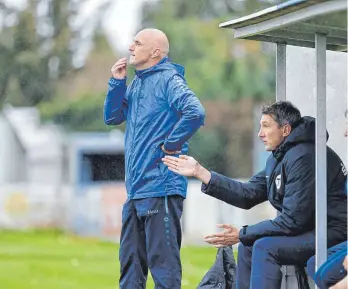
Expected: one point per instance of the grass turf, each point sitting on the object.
(52, 260)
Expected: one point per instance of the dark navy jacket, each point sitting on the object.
(158, 108)
(288, 182)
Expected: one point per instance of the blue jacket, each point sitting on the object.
(158, 108)
(288, 182)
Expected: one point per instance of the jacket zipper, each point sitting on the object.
(134, 134)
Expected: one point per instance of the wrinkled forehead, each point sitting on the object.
(267, 119)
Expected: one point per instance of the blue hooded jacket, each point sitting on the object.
(159, 109)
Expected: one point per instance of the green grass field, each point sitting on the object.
(51, 260)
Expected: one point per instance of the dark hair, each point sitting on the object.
(283, 112)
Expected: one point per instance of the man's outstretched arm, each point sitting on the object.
(244, 195)
(298, 205)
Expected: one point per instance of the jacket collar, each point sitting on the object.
(142, 72)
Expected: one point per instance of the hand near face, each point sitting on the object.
(228, 237)
(119, 70)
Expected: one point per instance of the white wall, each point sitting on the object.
(301, 90)
(12, 156)
(96, 210)
(24, 205)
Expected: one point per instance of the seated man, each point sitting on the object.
(288, 183)
(332, 271)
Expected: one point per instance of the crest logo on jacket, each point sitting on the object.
(278, 181)
(344, 170)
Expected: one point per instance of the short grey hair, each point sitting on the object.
(283, 112)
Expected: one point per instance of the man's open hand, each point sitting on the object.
(183, 165)
(228, 237)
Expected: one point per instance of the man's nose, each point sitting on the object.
(131, 47)
(260, 133)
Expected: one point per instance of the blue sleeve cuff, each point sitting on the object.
(244, 236)
(117, 82)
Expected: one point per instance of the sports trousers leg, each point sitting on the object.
(132, 253)
(152, 239)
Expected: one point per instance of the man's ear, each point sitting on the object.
(156, 53)
(286, 130)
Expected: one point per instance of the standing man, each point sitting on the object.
(288, 183)
(161, 115)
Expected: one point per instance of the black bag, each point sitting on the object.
(223, 272)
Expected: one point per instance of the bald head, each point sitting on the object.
(157, 38)
(148, 48)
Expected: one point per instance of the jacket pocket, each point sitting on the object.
(150, 165)
(157, 155)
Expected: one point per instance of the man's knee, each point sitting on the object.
(266, 244)
(241, 248)
(244, 251)
(267, 248)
